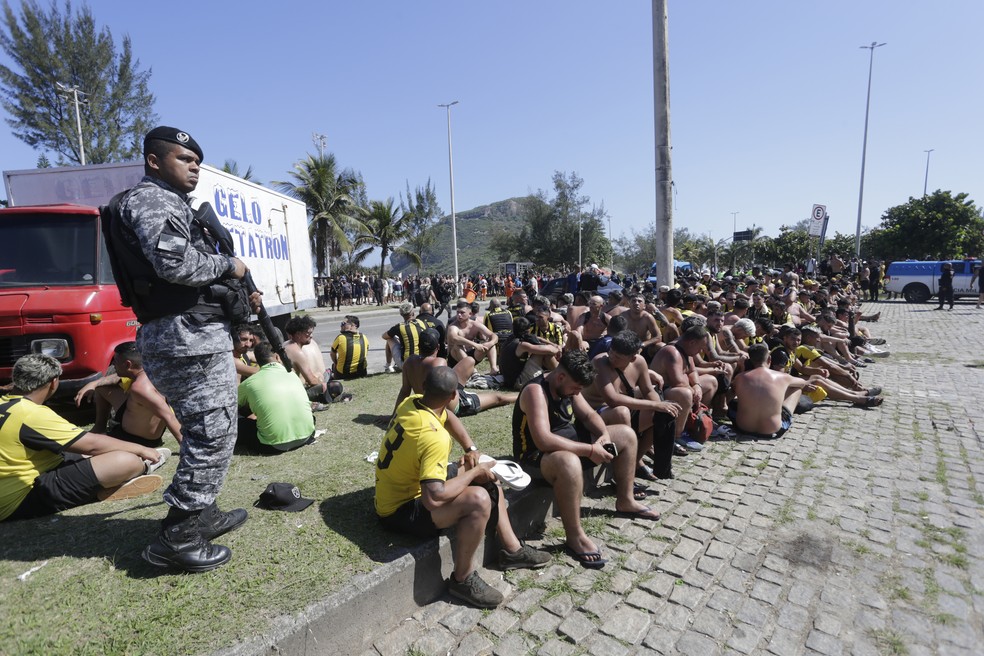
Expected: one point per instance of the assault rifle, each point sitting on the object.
(206, 218)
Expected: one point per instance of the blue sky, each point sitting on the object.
(767, 98)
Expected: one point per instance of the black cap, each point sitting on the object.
(282, 496)
(429, 340)
(174, 135)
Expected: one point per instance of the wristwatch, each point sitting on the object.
(471, 449)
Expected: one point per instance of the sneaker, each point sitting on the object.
(389, 369)
(151, 467)
(135, 487)
(475, 591)
(526, 558)
(877, 341)
(319, 407)
(876, 352)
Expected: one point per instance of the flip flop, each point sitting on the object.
(645, 513)
(588, 559)
(645, 473)
(640, 492)
(511, 475)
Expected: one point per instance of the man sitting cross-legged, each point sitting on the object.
(623, 393)
(307, 361)
(556, 434)
(467, 338)
(141, 412)
(416, 368)
(44, 467)
(765, 399)
(275, 407)
(414, 494)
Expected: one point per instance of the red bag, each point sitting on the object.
(700, 424)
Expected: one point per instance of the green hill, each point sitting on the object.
(475, 230)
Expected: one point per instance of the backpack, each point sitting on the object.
(700, 425)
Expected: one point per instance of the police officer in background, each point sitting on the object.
(168, 268)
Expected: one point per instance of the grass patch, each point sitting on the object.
(281, 561)
(922, 496)
(945, 619)
(889, 642)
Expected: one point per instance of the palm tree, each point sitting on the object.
(330, 196)
(232, 167)
(387, 228)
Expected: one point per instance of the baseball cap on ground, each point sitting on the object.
(282, 496)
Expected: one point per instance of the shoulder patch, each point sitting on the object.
(172, 243)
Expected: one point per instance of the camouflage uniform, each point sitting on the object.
(187, 356)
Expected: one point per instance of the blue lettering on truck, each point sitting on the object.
(230, 204)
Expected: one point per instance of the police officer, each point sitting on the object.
(168, 266)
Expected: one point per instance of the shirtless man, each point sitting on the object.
(681, 382)
(593, 324)
(643, 324)
(614, 305)
(141, 412)
(797, 312)
(623, 393)
(467, 338)
(307, 360)
(416, 368)
(766, 399)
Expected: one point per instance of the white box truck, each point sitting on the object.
(57, 293)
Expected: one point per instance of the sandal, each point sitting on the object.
(645, 473)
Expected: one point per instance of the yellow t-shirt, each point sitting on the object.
(416, 448)
(32, 438)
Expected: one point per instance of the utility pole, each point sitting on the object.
(864, 146)
(74, 90)
(664, 170)
(926, 180)
(319, 141)
(454, 225)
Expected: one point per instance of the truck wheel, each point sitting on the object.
(916, 293)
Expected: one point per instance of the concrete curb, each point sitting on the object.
(344, 622)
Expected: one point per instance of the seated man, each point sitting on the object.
(401, 339)
(643, 324)
(426, 316)
(593, 324)
(243, 341)
(682, 383)
(416, 368)
(307, 360)
(765, 399)
(275, 407)
(623, 393)
(415, 495)
(526, 356)
(141, 412)
(556, 434)
(43, 468)
(348, 351)
(467, 338)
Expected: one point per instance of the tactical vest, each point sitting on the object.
(141, 289)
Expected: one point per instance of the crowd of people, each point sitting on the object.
(619, 380)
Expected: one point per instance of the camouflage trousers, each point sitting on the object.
(202, 391)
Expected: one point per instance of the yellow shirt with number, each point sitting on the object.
(416, 448)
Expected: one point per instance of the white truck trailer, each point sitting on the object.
(270, 229)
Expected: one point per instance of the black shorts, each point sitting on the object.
(468, 403)
(577, 432)
(71, 484)
(413, 518)
(120, 434)
(452, 361)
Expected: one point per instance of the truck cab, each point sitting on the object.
(57, 293)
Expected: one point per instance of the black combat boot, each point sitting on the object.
(212, 522)
(180, 544)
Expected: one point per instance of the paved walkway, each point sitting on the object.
(859, 532)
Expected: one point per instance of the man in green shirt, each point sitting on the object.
(280, 405)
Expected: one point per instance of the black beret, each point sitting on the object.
(174, 135)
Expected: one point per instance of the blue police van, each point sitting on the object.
(918, 281)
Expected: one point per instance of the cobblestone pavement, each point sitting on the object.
(859, 532)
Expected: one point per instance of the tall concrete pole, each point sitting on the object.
(454, 223)
(664, 171)
(864, 145)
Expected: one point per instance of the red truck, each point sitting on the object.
(57, 294)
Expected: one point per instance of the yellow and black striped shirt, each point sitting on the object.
(408, 333)
(553, 333)
(350, 349)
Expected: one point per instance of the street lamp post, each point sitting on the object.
(926, 179)
(74, 90)
(454, 224)
(864, 146)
